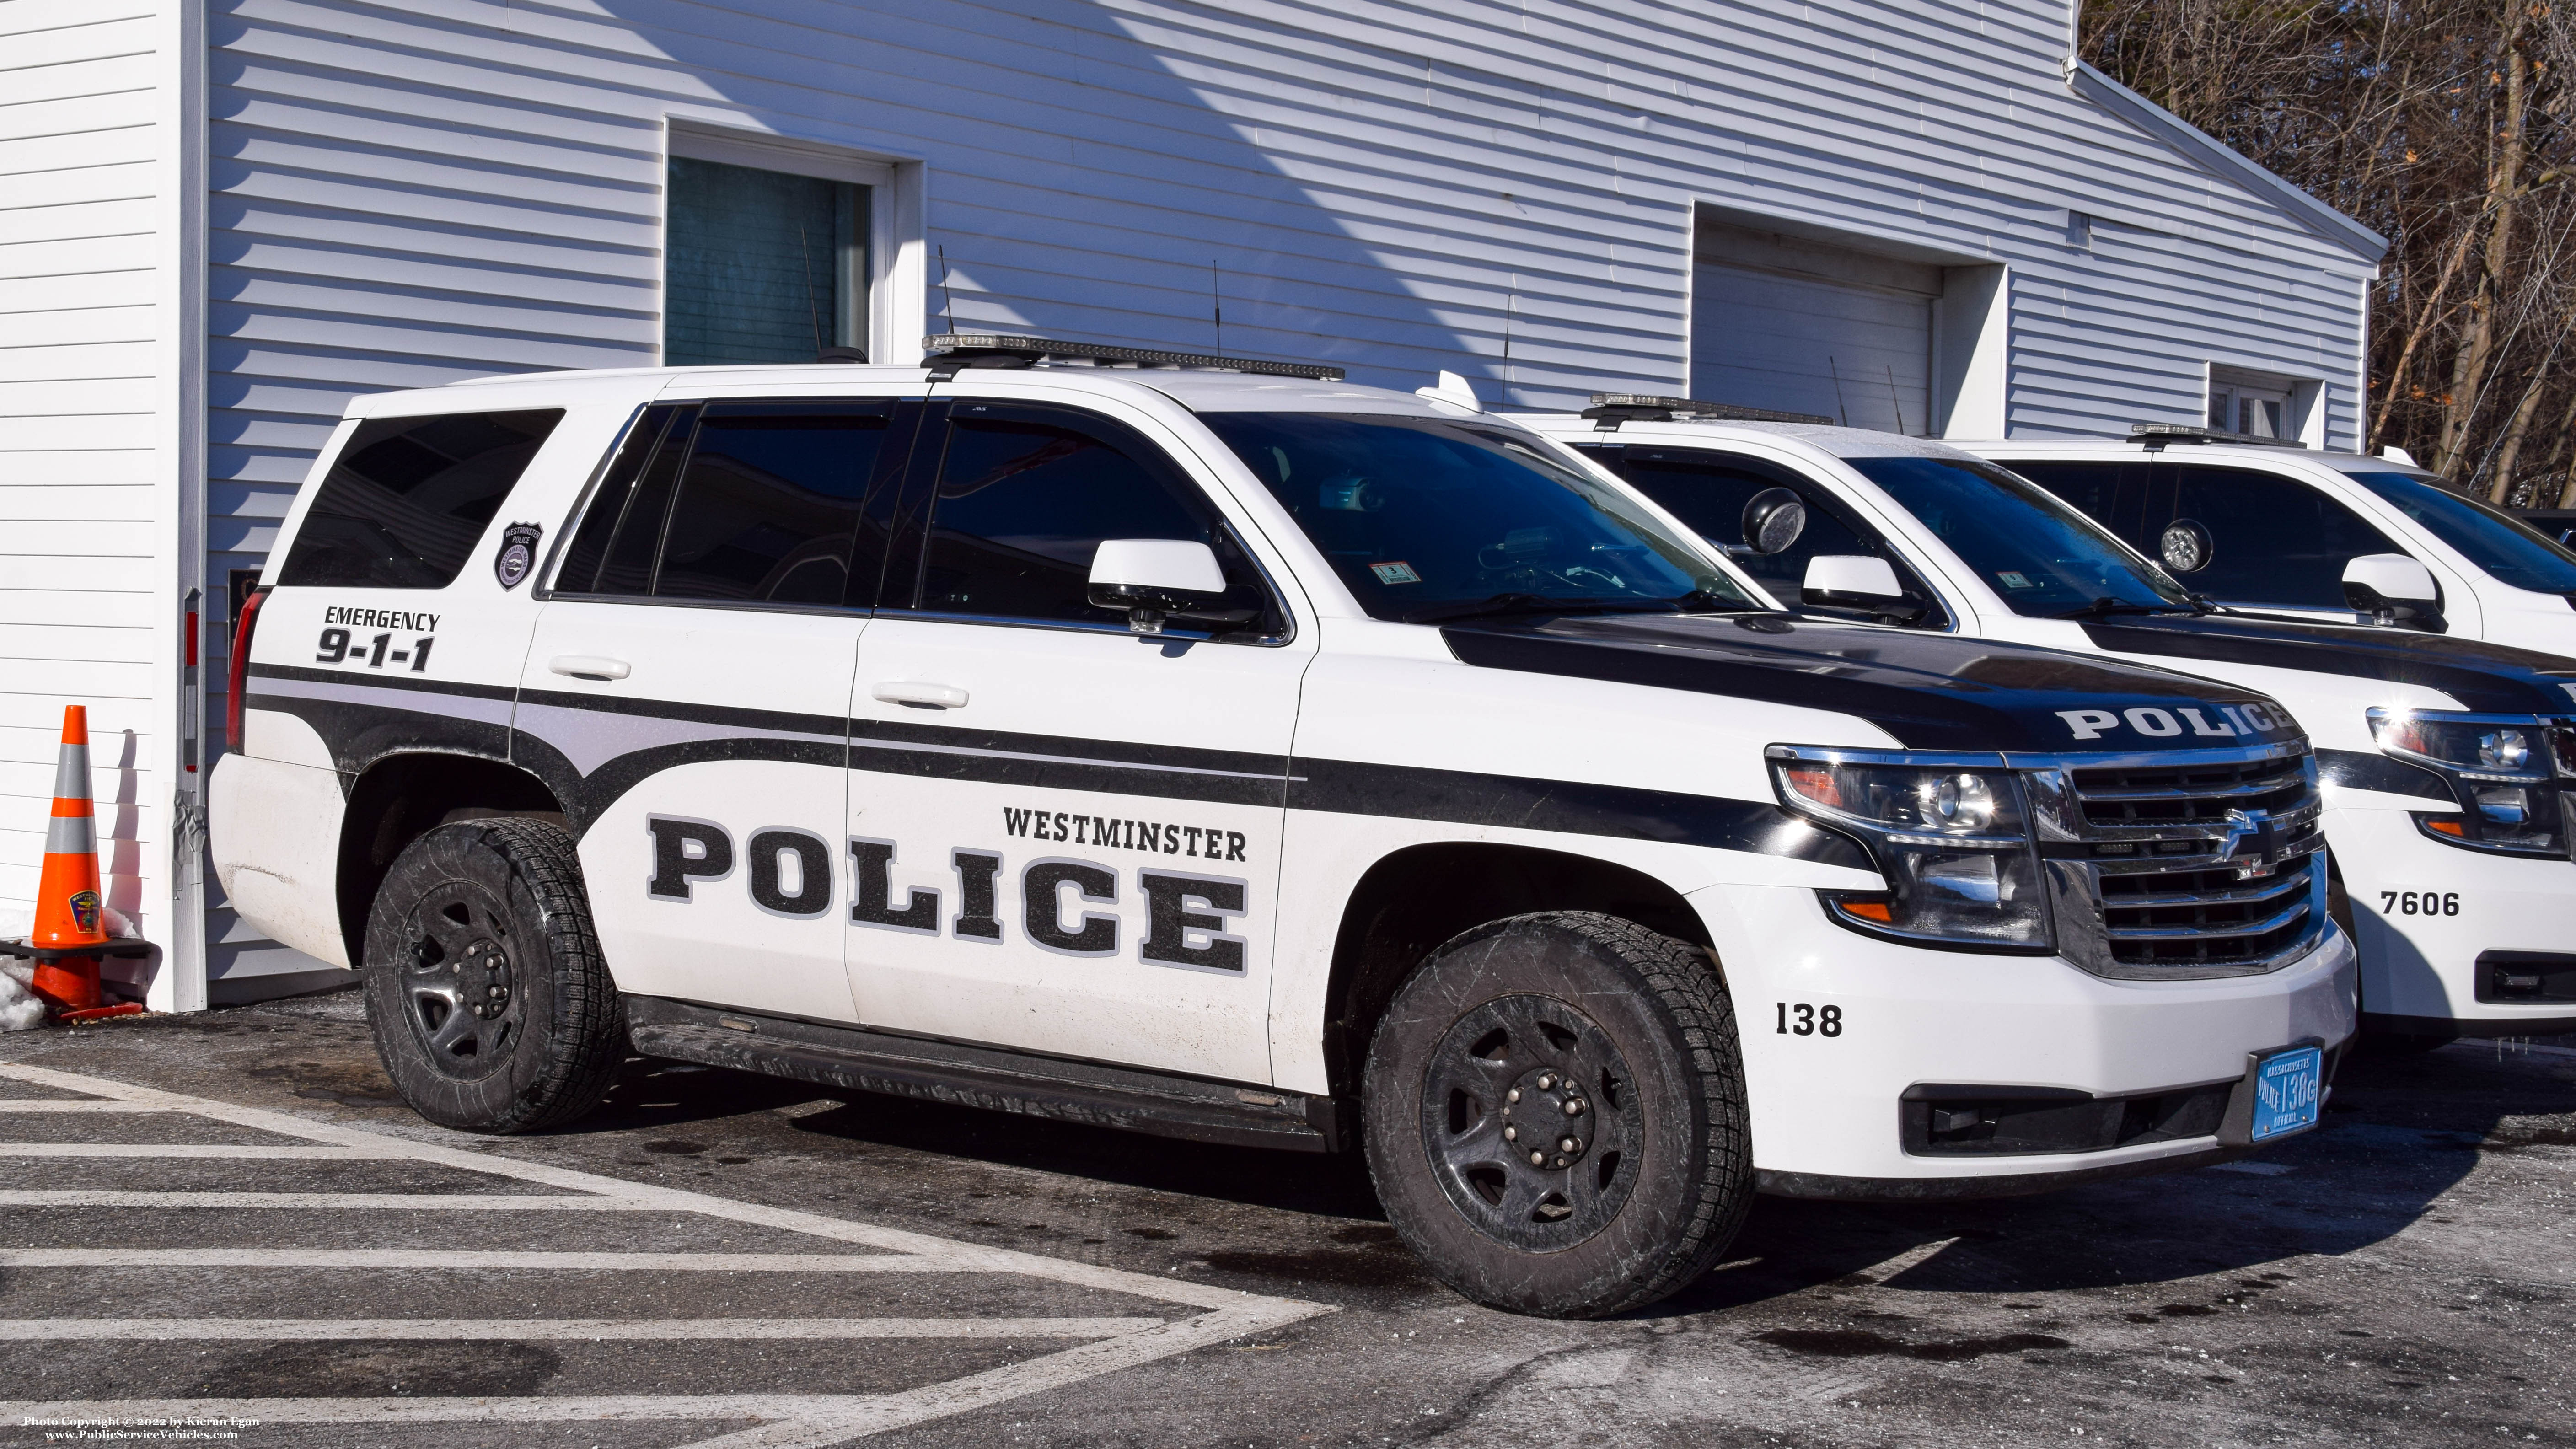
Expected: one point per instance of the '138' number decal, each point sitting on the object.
(1797, 1018)
(2419, 903)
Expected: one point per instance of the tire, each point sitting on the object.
(1661, 1171)
(486, 992)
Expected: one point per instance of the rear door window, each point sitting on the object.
(2275, 541)
(1708, 490)
(754, 503)
(2111, 494)
(408, 498)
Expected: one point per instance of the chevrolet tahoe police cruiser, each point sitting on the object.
(1216, 749)
(2449, 765)
(2272, 525)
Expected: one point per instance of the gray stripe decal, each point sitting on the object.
(71, 835)
(417, 701)
(71, 773)
(1086, 760)
(590, 738)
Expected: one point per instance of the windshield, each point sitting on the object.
(2504, 547)
(1425, 518)
(2041, 555)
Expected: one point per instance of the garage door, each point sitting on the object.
(1801, 326)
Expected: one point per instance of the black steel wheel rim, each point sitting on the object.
(1530, 1121)
(460, 980)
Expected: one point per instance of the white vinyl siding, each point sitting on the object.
(83, 454)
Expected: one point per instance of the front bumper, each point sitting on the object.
(1827, 1110)
(2426, 913)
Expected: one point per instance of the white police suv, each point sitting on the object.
(2449, 765)
(2260, 523)
(1244, 756)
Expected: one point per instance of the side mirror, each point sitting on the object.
(1858, 581)
(2393, 588)
(1161, 579)
(1773, 519)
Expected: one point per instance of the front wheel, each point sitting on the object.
(1555, 1118)
(486, 993)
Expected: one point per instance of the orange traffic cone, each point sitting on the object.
(69, 914)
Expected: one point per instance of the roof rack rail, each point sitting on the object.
(1610, 409)
(959, 350)
(2157, 435)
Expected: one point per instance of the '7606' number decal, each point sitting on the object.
(2419, 903)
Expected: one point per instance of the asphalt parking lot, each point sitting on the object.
(229, 1218)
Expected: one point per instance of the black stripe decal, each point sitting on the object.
(2361, 770)
(373, 679)
(1567, 808)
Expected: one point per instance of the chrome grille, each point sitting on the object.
(2146, 796)
(2197, 864)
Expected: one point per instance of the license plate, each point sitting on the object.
(2287, 1086)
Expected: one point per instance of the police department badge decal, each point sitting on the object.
(518, 554)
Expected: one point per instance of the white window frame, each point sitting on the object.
(897, 295)
(2302, 419)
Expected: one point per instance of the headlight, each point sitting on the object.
(1950, 833)
(2505, 771)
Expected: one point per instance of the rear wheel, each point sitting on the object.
(1555, 1120)
(486, 993)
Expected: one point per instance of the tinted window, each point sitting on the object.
(2039, 554)
(1420, 515)
(407, 499)
(2111, 494)
(1708, 491)
(1025, 496)
(579, 572)
(2503, 546)
(2276, 540)
(769, 503)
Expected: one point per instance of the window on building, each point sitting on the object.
(2257, 407)
(405, 501)
(762, 266)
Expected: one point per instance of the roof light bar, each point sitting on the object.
(958, 350)
(1615, 408)
(2156, 435)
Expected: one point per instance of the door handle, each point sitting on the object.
(590, 666)
(920, 695)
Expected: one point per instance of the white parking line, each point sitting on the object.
(42, 1330)
(49, 1104)
(777, 1420)
(184, 1149)
(369, 1201)
(469, 1258)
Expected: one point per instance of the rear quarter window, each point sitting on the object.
(408, 498)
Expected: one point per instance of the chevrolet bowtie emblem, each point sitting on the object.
(2271, 847)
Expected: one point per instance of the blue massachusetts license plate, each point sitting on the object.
(2287, 1086)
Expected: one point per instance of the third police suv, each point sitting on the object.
(1217, 749)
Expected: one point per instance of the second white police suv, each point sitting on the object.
(2448, 764)
(1242, 755)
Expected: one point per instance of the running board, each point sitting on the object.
(857, 1059)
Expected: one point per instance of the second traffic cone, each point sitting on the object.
(69, 912)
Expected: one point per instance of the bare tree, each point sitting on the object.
(2446, 126)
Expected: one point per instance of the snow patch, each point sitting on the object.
(19, 1008)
